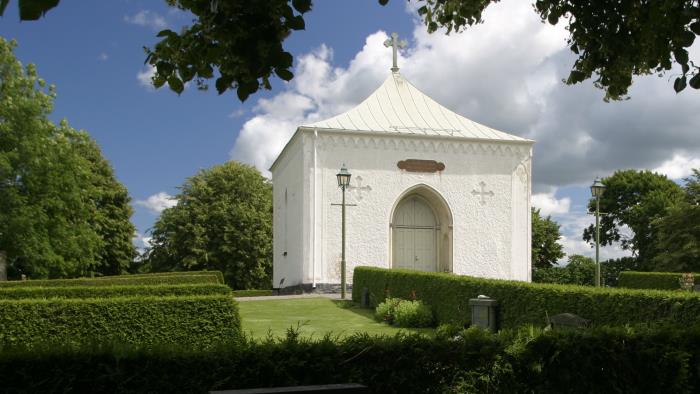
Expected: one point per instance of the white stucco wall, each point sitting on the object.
(489, 240)
(287, 179)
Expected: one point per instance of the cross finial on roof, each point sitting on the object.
(395, 44)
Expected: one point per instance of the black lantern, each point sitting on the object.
(343, 177)
(597, 188)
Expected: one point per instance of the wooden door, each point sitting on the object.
(415, 233)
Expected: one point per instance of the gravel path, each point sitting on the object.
(333, 296)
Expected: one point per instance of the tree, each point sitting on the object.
(546, 249)
(240, 43)
(111, 210)
(222, 221)
(49, 194)
(678, 232)
(633, 199)
(610, 269)
(579, 270)
(692, 188)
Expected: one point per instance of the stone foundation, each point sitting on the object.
(307, 288)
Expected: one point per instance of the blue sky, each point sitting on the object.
(505, 73)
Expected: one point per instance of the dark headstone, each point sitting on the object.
(364, 300)
(484, 313)
(569, 320)
(346, 388)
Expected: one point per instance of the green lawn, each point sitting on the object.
(314, 316)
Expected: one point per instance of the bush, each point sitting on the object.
(201, 321)
(528, 303)
(170, 273)
(413, 314)
(404, 313)
(573, 361)
(651, 280)
(20, 292)
(386, 311)
(123, 280)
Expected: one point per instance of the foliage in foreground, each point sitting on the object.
(223, 222)
(528, 303)
(523, 360)
(240, 43)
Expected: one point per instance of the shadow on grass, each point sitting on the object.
(368, 313)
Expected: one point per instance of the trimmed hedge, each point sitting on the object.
(172, 278)
(169, 273)
(651, 280)
(595, 361)
(201, 321)
(528, 303)
(21, 292)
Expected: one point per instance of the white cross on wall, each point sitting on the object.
(483, 193)
(359, 189)
(395, 44)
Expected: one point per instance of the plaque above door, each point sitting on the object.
(417, 165)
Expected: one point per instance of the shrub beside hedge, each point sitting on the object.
(201, 321)
(123, 280)
(528, 303)
(20, 292)
(595, 361)
(651, 280)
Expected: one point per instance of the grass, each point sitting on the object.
(315, 317)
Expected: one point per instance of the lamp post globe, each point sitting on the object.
(597, 190)
(343, 182)
(343, 177)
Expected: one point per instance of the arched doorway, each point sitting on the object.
(421, 231)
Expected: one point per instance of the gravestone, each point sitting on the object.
(569, 320)
(484, 313)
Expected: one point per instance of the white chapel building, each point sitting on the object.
(430, 190)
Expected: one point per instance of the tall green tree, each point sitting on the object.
(222, 221)
(111, 209)
(678, 232)
(546, 249)
(239, 43)
(50, 223)
(692, 187)
(634, 199)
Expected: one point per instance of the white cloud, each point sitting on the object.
(141, 242)
(103, 56)
(147, 18)
(680, 166)
(548, 204)
(145, 77)
(505, 73)
(158, 202)
(572, 225)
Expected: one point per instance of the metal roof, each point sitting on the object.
(399, 107)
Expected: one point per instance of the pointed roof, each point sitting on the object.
(399, 107)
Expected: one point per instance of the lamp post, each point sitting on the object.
(597, 189)
(343, 182)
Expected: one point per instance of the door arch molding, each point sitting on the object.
(443, 231)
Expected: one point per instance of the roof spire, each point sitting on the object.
(395, 44)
